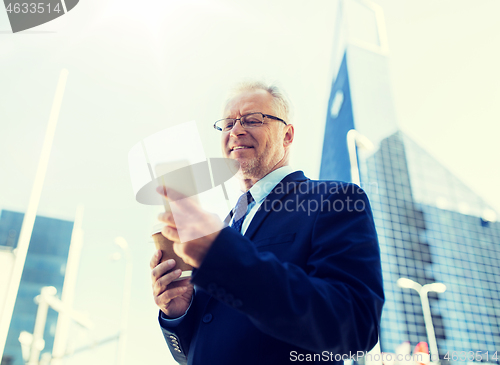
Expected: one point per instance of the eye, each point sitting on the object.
(253, 120)
(227, 125)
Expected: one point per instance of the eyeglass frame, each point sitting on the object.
(243, 124)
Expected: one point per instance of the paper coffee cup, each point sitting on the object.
(167, 250)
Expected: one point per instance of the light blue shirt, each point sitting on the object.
(260, 190)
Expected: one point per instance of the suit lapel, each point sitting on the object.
(279, 192)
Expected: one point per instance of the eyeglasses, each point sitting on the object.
(248, 121)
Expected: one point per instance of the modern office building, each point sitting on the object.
(45, 266)
(434, 229)
(431, 227)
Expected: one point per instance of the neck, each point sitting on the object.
(246, 182)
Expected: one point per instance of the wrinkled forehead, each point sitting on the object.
(249, 101)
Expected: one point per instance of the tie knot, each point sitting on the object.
(249, 197)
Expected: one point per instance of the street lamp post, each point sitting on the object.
(38, 343)
(422, 291)
(30, 215)
(68, 292)
(354, 138)
(122, 340)
(33, 344)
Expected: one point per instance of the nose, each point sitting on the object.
(237, 129)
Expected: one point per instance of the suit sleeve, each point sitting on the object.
(333, 303)
(179, 332)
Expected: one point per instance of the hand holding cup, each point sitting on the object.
(171, 295)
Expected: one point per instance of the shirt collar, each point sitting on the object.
(264, 186)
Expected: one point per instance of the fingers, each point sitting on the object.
(167, 296)
(165, 289)
(170, 230)
(173, 196)
(155, 260)
(171, 233)
(180, 250)
(170, 193)
(162, 191)
(167, 217)
(160, 269)
(160, 285)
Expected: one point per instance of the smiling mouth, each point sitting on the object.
(237, 148)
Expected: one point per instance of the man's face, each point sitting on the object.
(259, 150)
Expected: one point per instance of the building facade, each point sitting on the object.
(431, 227)
(45, 266)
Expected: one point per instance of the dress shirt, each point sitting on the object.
(260, 190)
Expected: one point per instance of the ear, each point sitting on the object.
(288, 137)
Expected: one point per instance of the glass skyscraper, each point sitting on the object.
(45, 266)
(434, 229)
(431, 227)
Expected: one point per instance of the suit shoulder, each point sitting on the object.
(332, 187)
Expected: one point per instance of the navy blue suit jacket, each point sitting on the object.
(304, 279)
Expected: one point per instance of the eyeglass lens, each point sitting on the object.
(247, 121)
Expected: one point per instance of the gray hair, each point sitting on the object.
(280, 101)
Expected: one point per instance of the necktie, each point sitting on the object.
(240, 210)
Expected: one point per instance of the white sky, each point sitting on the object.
(138, 67)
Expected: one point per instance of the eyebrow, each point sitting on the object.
(250, 112)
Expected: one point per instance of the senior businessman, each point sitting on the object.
(296, 274)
